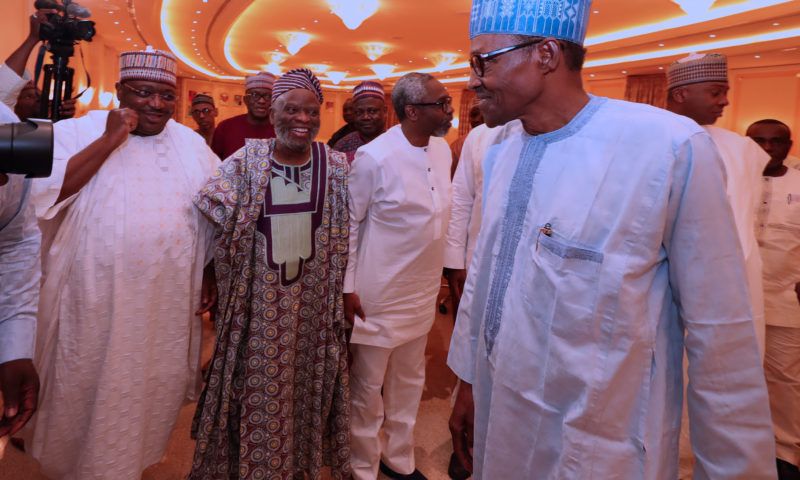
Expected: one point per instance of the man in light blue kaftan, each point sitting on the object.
(606, 234)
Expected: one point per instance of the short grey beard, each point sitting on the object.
(282, 136)
(441, 131)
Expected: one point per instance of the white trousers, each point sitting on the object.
(782, 370)
(400, 372)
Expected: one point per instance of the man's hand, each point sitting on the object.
(67, 108)
(19, 385)
(36, 21)
(461, 425)
(456, 279)
(352, 307)
(120, 123)
(208, 291)
(3, 179)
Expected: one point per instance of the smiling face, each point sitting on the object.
(508, 84)
(154, 112)
(295, 115)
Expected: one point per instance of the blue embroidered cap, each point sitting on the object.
(564, 19)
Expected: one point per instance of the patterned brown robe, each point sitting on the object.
(276, 402)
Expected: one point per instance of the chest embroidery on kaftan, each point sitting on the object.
(292, 213)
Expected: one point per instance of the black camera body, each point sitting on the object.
(64, 28)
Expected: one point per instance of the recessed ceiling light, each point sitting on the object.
(111, 11)
(316, 21)
(775, 24)
(712, 36)
(116, 23)
(128, 39)
(596, 11)
(424, 58)
(302, 28)
(660, 44)
(194, 43)
(199, 11)
(194, 21)
(410, 61)
(591, 74)
(758, 56)
(661, 68)
(624, 71)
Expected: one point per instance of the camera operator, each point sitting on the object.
(18, 88)
(20, 273)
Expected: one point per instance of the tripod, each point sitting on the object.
(59, 76)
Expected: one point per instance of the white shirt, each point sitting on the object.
(465, 214)
(11, 85)
(778, 232)
(399, 206)
(792, 162)
(20, 265)
(744, 162)
(600, 243)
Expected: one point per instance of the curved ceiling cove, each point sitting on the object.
(347, 41)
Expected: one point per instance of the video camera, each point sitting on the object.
(61, 32)
(27, 148)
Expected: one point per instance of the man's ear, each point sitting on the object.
(677, 94)
(118, 87)
(411, 113)
(549, 54)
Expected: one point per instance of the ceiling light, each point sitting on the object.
(694, 8)
(661, 68)
(116, 23)
(198, 11)
(275, 57)
(382, 70)
(712, 36)
(336, 77)
(375, 50)
(660, 44)
(591, 75)
(758, 56)
(294, 41)
(775, 24)
(194, 21)
(624, 71)
(128, 39)
(444, 60)
(353, 12)
(318, 68)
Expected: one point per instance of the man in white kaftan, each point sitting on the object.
(589, 267)
(465, 212)
(118, 344)
(20, 274)
(698, 87)
(778, 233)
(399, 205)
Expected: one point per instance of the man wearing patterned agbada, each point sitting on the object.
(276, 401)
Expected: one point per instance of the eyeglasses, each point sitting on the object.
(144, 93)
(204, 111)
(443, 103)
(478, 60)
(255, 96)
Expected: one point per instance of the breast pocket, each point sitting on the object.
(569, 274)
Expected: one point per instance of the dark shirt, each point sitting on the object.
(230, 134)
(349, 144)
(339, 134)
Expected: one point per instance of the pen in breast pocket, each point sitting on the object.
(547, 230)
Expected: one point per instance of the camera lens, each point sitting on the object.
(27, 148)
